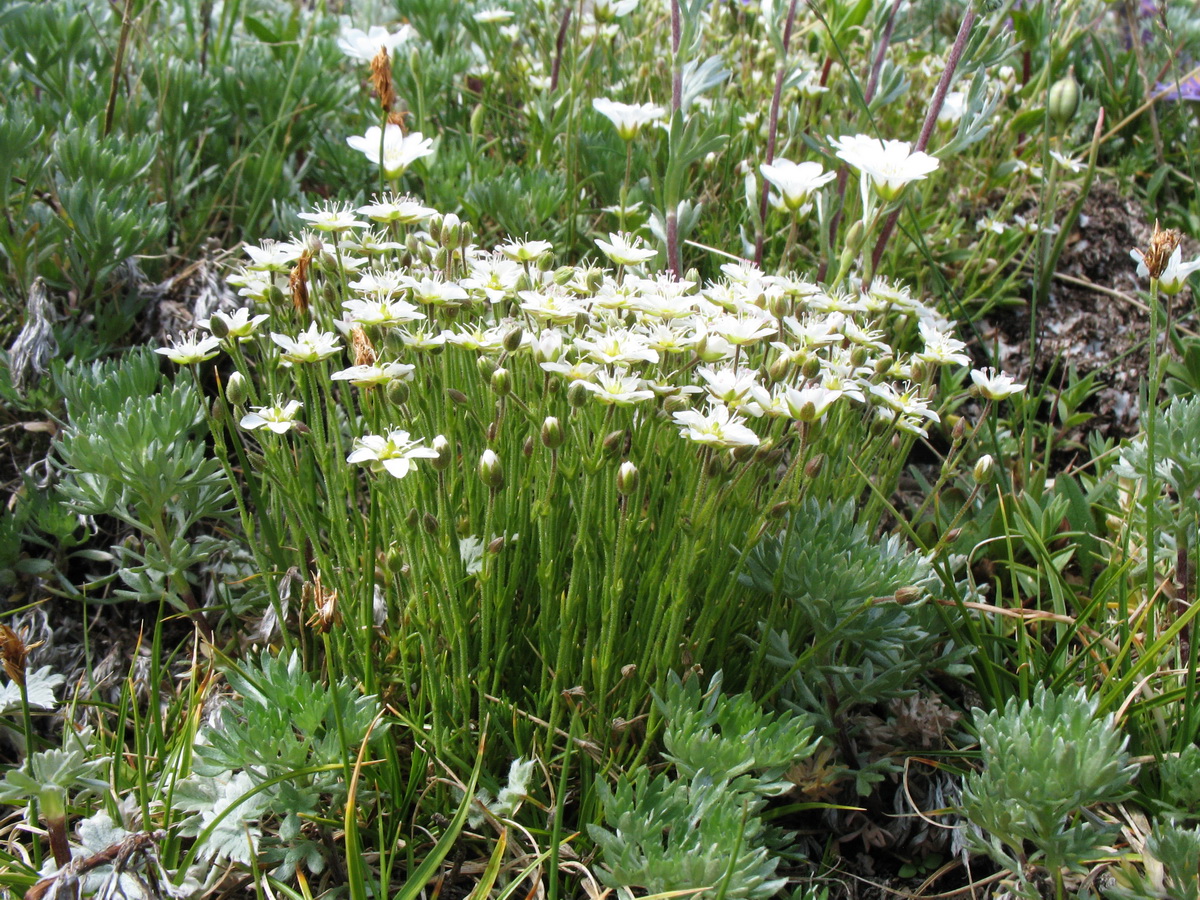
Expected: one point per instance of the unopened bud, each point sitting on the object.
(858, 356)
(594, 279)
(218, 325)
(457, 396)
(527, 447)
(1064, 98)
(393, 560)
(577, 394)
(780, 369)
(676, 403)
(413, 518)
(613, 443)
(502, 382)
(451, 230)
(491, 472)
(435, 228)
(779, 510)
(441, 447)
(430, 523)
(512, 340)
(397, 392)
(812, 468)
(545, 262)
(959, 430)
(779, 305)
(441, 258)
(907, 594)
(563, 275)
(763, 450)
(552, 433)
(627, 478)
(985, 469)
(952, 535)
(236, 391)
(811, 368)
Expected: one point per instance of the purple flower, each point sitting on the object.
(1183, 90)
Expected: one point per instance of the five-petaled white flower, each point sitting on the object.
(308, 346)
(365, 45)
(237, 327)
(394, 453)
(995, 385)
(718, 428)
(376, 374)
(400, 150)
(628, 118)
(278, 418)
(401, 210)
(526, 250)
(332, 217)
(617, 389)
(795, 182)
(1174, 276)
(811, 403)
(626, 249)
(190, 349)
(886, 165)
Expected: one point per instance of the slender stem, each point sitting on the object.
(772, 132)
(939, 98)
(1151, 413)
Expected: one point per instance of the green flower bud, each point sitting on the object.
(486, 366)
(780, 368)
(812, 367)
(1064, 99)
(413, 518)
(563, 275)
(674, 403)
(779, 305)
(812, 468)
(614, 443)
(577, 394)
(594, 278)
(397, 392)
(545, 262)
(435, 228)
(430, 523)
(236, 390)
(985, 470)
(491, 472)
(527, 447)
(441, 446)
(692, 277)
(457, 397)
(627, 478)
(218, 325)
(451, 230)
(552, 433)
(512, 340)
(502, 382)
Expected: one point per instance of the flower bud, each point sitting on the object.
(552, 433)
(780, 509)
(441, 447)
(236, 391)
(959, 430)
(441, 258)
(491, 472)
(393, 560)
(218, 325)
(545, 262)
(397, 392)
(984, 469)
(413, 518)
(779, 305)
(430, 523)
(763, 450)
(527, 447)
(496, 545)
(594, 279)
(467, 235)
(513, 338)
(218, 410)
(780, 368)
(812, 367)
(435, 228)
(563, 275)
(692, 277)
(812, 468)
(493, 431)
(952, 535)
(627, 478)
(907, 594)
(1064, 99)
(676, 403)
(577, 394)
(613, 443)
(502, 382)
(457, 396)
(451, 230)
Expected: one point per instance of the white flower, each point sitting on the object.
(273, 256)
(364, 45)
(332, 217)
(190, 349)
(394, 453)
(940, 348)
(401, 210)
(626, 249)
(796, 182)
(309, 346)
(525, 251)
(1070, 163)
(887, 165)
(374, 375)
(811, 403)
(276, 418)
(1174, 276)
(952, 109)
(742, 330)
(617, 345)
(628, 118)
(907, 401)
(995, 385)
(400, 150)
(381, 310)
(493, 16)
(719, 427)
(616, 389)
(239, 326)
(607, 10)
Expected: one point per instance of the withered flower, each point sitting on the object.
(324, 604)
(1155, 258)
(298, 282)
(13, 653)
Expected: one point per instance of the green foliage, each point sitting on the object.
(700, 825)
(1045, 763)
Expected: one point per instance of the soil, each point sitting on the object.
(1095, 320)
